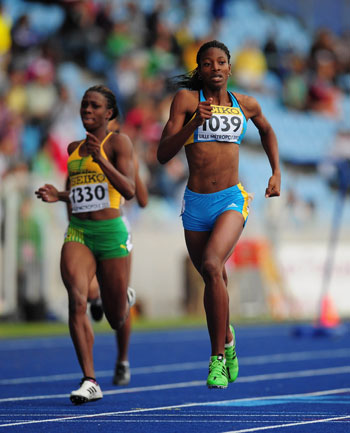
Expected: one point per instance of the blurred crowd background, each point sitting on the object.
(294, 57)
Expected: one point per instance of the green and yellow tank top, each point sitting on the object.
(90, 189)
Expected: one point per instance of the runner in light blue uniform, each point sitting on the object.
(200, 211)
(210, 122)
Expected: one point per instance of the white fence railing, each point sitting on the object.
(32, 232)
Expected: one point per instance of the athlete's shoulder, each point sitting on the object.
(185, 101)
(249, 104)
(120, 142)
(72, 146)
(120, 137)
(186, 94)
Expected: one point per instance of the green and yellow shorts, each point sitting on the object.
(107, 239)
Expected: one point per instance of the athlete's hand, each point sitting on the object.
(93, 146)
(47, 193)
(274, 187)
(204, 111)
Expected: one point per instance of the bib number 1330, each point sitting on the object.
(89, 198)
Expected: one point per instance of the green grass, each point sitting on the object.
(46, 329)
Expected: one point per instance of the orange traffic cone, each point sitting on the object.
(329, 317)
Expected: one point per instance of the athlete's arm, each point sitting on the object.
(175, 133)
(141, 192)
(119, 167)
(50, 194)
(269, 143)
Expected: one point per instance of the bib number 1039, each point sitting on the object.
(89, 198)
(222, 123)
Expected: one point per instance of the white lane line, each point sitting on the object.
(197, 404)
(245, 379)
(114, 391)
(295, 374)
(163, 368)
(292, 424)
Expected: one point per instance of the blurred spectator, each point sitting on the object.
(64, 125)
(5, 32)
(218, 13)
(152, 20)
(41, 91)
(41, 99)
(137, 22)
(190, 52)
(273, 57)
(295, 84)
(10, 133)
(322, 46)
(249, 66)
(78, 34)
(119, 41)
(44, 163)
(323, 96)
(16, 96)
(343, 55)
(104, 18)
(24, 37)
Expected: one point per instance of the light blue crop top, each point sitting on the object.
(227, 124)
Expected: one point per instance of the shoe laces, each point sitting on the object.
(217, 366)
(121, 368)
(230, 353)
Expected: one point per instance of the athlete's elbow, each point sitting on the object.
(161, 158)
(142, 203)
(162, 154)
(130, 192)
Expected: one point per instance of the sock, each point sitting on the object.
(219, 356)
(229, 344)
(91, 379)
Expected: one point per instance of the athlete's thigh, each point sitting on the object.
(224, 236)
(78, 266)
(196, 244)
(113, 278)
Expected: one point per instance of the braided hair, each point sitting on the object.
(109, 96)
(192, 80)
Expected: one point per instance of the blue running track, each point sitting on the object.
(286, 384)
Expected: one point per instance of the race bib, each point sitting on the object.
(225, 124)
(89, 198)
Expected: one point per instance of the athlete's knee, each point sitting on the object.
(117, 322)
(211, 269)
(224, 276)
(77, 303)
(116, 316)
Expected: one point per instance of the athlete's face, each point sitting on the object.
(214, 68)
(93, 111)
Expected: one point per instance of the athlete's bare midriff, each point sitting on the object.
(99, 215)
(213, 166)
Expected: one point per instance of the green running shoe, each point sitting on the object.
(231, 359)
(217, 377)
